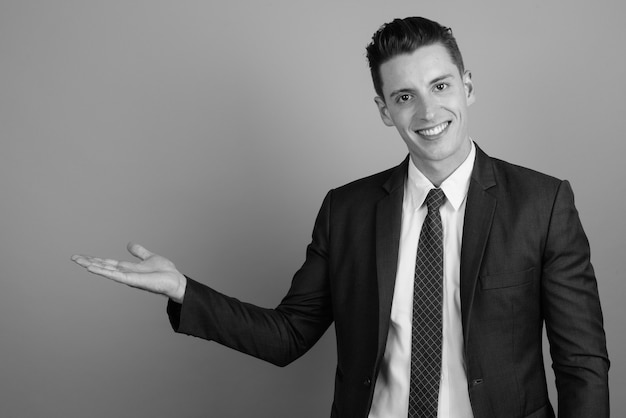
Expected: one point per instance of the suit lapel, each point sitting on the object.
(479, 212)
(388, 224)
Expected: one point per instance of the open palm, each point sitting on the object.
(153, 273)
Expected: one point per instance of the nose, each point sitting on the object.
(429, 114)
(426, 109)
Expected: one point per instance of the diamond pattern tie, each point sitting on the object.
(427, 312)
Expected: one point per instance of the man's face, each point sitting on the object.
(426, 99)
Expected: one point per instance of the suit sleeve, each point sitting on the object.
(278, 335)
(573, 315)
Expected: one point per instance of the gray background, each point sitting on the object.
(210, 132)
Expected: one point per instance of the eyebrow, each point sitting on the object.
(441, 78)
(433, 81)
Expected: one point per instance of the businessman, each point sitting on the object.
(439, 274)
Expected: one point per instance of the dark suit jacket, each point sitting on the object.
(524, 261)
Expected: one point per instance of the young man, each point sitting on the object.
(439, 273)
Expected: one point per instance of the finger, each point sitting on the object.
(105, 266)
(81, 260)
(139, 251)
(107, 263)
(86, 261)
(115, 275)
(110, 264)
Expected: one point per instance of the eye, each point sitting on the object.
(403, 98)
(441, 86)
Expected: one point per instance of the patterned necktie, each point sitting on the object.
(427, 312)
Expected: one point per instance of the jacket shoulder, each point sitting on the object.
(523, 179)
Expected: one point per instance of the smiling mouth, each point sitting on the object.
(435, 130)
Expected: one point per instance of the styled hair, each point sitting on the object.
(404, 36)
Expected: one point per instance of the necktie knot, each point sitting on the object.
(435, 199)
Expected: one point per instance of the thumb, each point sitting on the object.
(138, 251)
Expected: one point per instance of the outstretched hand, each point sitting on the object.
(153, 273)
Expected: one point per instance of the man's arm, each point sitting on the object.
(573, 315)
(277, 335)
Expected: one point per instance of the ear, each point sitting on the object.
(469, 87)
(384, 112)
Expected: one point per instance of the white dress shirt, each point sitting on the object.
(391, 393)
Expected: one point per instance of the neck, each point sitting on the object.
(437, 171)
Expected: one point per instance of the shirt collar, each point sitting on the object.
(455, 186)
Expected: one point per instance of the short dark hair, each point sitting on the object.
(404, 36)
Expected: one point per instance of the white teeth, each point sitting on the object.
(436, 130)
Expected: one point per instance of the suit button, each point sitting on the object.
(367, 382)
